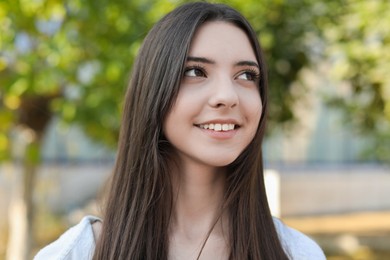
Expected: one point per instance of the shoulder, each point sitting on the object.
(297, 245)
(76, 243)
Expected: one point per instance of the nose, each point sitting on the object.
(223, 94)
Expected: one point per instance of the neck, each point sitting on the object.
(198, 191)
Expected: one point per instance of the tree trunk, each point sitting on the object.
(34, 117)
(21, 212)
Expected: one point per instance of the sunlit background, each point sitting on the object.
(64, 67)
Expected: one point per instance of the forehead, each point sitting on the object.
(221, 38)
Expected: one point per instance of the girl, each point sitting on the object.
(188, 179)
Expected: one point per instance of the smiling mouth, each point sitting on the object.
(218, 127)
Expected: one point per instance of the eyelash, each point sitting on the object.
(254, 74)
(195, 67)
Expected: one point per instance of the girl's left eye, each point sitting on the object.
(249, 76)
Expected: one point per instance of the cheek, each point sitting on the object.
(259, 110)
(254, 107)
(255, 111)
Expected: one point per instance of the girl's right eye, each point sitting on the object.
(194, 72)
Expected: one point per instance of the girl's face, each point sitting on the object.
(218, 107)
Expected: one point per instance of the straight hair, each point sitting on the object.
(139, 204)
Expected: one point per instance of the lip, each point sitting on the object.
(219, 135)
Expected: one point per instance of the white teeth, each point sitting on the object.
(218, 127)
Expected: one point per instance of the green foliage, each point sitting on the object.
(359, 52)
(79, 54)
(78, 51)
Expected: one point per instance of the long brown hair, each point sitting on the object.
(140, 200)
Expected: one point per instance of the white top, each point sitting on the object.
(79, 243)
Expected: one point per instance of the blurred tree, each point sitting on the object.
(358, 48)
(71, 59)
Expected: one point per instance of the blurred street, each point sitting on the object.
(360, 235)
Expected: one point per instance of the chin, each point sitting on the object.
(221, 162)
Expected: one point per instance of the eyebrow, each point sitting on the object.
(247, 63)
(209, 61)
(200, 59)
